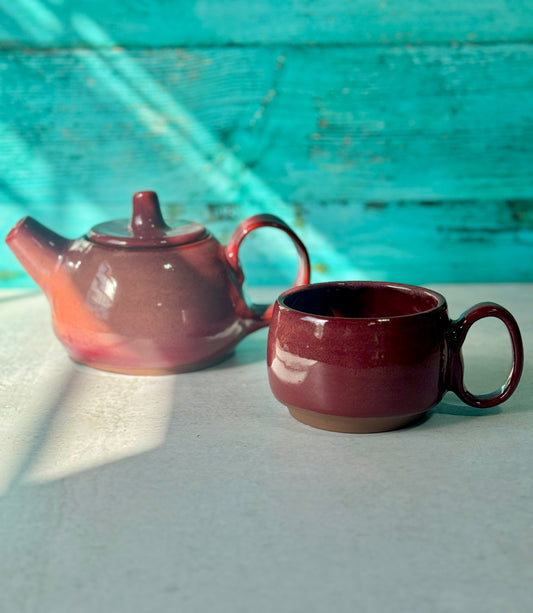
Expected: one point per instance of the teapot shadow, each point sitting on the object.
(251, 349)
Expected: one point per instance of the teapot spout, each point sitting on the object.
(37, 248)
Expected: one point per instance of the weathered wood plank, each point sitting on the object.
(207, 22)
(411, 242)
(366, 124)
(410, 164)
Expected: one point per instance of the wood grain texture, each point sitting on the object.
(396, 137)
(156, 23)
(351, 124)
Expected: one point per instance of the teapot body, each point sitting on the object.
(140, 297)
(167, 310)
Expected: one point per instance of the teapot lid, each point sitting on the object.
(147, 228)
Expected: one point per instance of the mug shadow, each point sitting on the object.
(459, 409)
(453, 408)
(455, 412)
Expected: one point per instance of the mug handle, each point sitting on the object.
(260, 311)
(456, 337)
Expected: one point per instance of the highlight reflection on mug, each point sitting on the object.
(290, 368)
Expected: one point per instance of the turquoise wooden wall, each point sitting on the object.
(395, 136)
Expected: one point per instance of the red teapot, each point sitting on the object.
(139, 297)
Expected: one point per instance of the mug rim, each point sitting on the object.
(441, 300)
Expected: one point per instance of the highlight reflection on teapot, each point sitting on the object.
(137, 296)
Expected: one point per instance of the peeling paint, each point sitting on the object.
(174, 212)
(10, 275)
(320, 267)
(222, 212)
(375, 206)
(521, 212)
(299, 215)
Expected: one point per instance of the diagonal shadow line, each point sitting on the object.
(228, 175)
(42, 429)
(13, 194)
(32, 17)
(184, 132)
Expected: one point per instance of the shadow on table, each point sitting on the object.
(124, 531)
(116, 535)
(250, 350)
(48, 416)
(453, 406)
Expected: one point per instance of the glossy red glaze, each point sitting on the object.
(139, 297)
(370, 356)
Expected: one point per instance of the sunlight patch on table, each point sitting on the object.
(82, 423)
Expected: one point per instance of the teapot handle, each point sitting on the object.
(264, 312)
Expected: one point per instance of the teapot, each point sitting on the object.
(139, 297)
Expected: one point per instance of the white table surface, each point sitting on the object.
(199, 492)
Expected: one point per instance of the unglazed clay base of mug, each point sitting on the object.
(353, 425)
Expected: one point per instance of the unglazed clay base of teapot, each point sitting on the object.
(136, 296)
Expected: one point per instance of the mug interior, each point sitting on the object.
(361, 300)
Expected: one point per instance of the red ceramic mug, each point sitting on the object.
(373, 356)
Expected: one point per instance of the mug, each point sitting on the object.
(363, 356)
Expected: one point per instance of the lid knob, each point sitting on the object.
(147, 219)
(146, 228)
